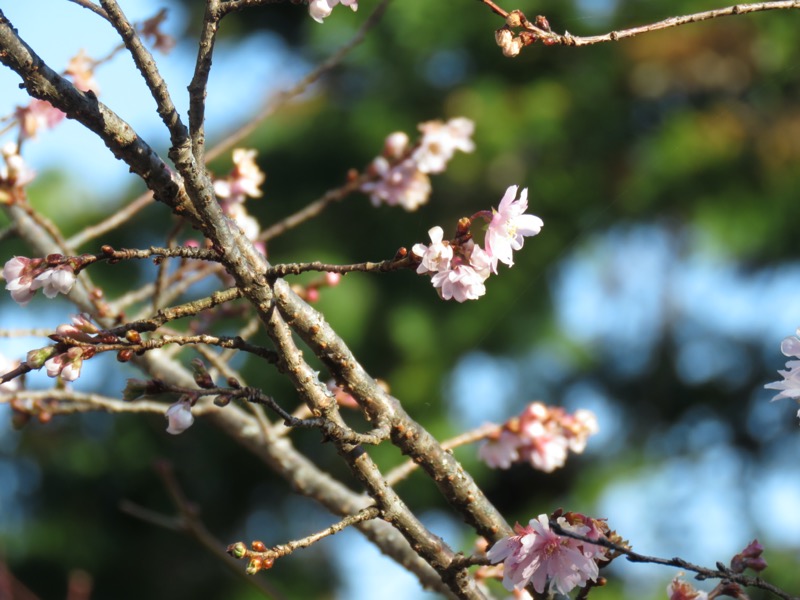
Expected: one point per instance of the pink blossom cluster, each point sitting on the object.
(81, 69)
(39, 114)
(319, 9)
(789, 387)
(66, 364)
(26, 275)
(244, 181)
(401, 171)
(459, 269)
(537, 555)
(542, 435)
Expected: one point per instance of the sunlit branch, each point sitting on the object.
(567, 39)
(198, 86)
(394, 264)
(260, 557)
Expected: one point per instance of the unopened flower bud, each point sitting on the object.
(179, 415)
(514, 18)
(237, 550)
(254, 566)
(133, 336)
(37, 358)
(395, 145)
(258, 546)
(222, 400)
(201, 375)
(125, 355)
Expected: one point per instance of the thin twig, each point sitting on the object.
(552, 38)
(118, 218)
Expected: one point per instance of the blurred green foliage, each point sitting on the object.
(693, 128)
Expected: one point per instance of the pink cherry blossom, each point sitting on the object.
(509, 227)
(320, 9)
(541, 435)
(245, 179)
(538, 555)
(67, 364)
(789, 387)
(435, 257)
(401, 184)
(179, 416)
(460, 283)
(500, 452)
(681, 590)
(440, 141)
(39, 114)
(16, 172)
(18, 273)
(55, 281)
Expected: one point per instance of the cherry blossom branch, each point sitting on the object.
(403, 260)
(181, 340)
(298, 88)
(260, 557)
(703, 573)
(275, 451)
(455, 484)
(63, 402)
(147, 67)
(551, 38)
(198, 85)
(42, 82)
(392, 508)
(165, 315)
(330, 429)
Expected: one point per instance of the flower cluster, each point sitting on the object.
(319, 9)
(243, 181)
(537, 555)
(67, 363)
(400, 173)
(542, 435)
(460, 268)
(26, 275)
(789, 387)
